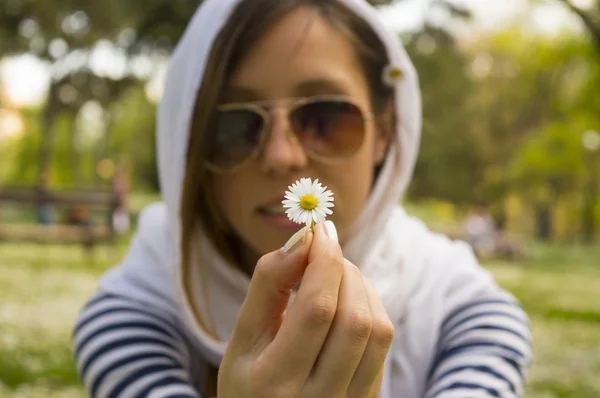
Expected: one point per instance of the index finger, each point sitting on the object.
(273, 279)
(298, 343)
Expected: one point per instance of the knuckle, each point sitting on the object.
(337, 261)
(360, 323)
(258, 372)
(383, 332)
(333, 257)
(261, 271)
(322, 310)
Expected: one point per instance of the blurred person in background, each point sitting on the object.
(489, 238)
(120, 217)
(215, 299)
(45, 210)
(480, 231)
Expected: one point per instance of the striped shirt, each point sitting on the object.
(124, 349)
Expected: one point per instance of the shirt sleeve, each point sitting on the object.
(484, 350)
(125, 349)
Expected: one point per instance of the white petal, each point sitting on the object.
(290, 195)
(318, 218)
(307, 185)
(304, 217)
(314, 216)
(319, 211)
(325, 211)
(322, 200)
(293, 214)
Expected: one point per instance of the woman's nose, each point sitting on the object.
(282, 152)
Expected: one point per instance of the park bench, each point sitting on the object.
(65, 231)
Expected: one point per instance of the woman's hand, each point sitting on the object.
(331, 343)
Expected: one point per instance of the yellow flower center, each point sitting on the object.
(308, 202)
(395, 74)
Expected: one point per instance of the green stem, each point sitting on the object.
(312, 226)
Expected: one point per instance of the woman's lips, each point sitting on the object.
(274, 215)
(279, 221)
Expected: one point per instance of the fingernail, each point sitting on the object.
(331, 231)
(294, 242)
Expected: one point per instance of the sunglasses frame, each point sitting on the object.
(290, 105)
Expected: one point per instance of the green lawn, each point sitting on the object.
(43, 287)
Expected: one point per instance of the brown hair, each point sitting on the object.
(246, 25)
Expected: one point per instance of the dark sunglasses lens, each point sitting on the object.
(236, 137)
(329, 128)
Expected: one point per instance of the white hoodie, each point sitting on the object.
(435, 292)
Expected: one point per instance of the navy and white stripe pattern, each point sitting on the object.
(125, 350)
(484, 351)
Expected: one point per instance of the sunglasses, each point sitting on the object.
(330, 129)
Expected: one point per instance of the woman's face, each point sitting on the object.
(300, 56)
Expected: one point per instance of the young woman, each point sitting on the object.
(212, 301)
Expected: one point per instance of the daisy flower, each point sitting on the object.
(392, 75)
(308, 202)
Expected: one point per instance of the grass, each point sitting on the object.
(43, 288)
(559, 290)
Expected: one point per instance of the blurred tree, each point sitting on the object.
(64, 33)
(537, 96)
(446, 84)
(590, 16)
(450, 163)
(29, 25)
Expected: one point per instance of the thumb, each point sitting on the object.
(274, 277)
